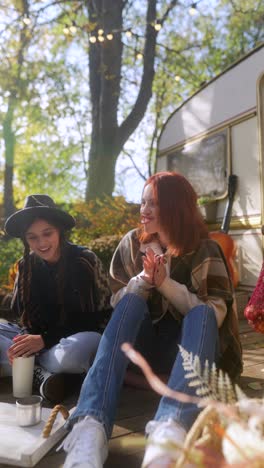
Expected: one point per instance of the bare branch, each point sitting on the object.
(134, 164)
(172, 4)
(145, 91)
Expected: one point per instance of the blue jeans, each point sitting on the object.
(73, 355)
(131, 322)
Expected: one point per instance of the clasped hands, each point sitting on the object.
(25, 345)
(154, 271)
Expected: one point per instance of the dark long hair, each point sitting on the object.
(26, 274)
(179, 216)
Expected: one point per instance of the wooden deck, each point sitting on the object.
(138, 406)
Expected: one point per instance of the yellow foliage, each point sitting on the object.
(101, 223)
(12, 275)
(104, 217)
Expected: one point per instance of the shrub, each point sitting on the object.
(101, 223)
(104, 248)
(103, 217)
(10, 251)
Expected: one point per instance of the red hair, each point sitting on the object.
(179, 216)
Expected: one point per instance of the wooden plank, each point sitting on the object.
(252, 357)
(126, 451)
(244, 327)
(256, 370)
(253, 345)
(131, 443)
(252, 386)
(132, 424)
(248, 338)
(122, 459)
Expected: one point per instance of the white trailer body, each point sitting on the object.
(217, 132)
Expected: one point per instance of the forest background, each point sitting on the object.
(85, 89)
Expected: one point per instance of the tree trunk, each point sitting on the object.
(102, 172)
(105, 62)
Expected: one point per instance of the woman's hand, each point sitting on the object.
(25, 345)
(149, 266)
(154, 268)
(160, 271)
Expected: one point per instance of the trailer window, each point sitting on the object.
(204, 163)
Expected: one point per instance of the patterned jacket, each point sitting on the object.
(204, 272)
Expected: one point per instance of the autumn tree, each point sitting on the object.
(38, 105)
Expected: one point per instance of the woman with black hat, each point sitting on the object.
(61, 298)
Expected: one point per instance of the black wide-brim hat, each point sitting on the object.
(37, 206)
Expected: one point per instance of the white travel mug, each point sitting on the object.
(22, 373)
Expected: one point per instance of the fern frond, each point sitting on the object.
(230, 390)
(213, 379)
(209, 382)
(239, 393)
(206, 371)
(203, 392)
(190, 375)
(194, 383)
(221, 386)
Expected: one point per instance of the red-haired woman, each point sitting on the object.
(170, 286)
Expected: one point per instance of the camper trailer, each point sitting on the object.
(216, 139)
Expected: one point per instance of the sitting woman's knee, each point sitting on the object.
(133, 302)
(80, 352)
(73, 354)
(202, 310)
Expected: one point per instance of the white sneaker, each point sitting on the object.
(86, 445)
(162, 435)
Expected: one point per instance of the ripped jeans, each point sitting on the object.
(73, 355)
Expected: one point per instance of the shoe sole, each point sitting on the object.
(59, 386)
(53, 389)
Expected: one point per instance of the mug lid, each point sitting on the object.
(29, 400)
